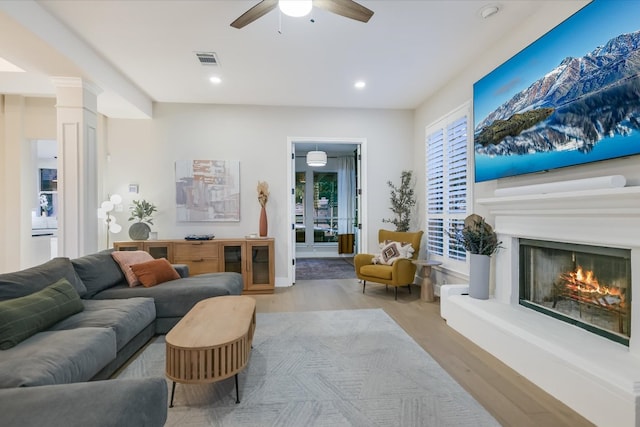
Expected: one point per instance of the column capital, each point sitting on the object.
(76, 82)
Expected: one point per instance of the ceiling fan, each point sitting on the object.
(347, 8)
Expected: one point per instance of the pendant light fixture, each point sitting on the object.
(295, 8)
(316, 158)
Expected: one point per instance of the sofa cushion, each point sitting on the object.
(182, 269)
(98, 271)
(127, 317)
(57, 357)
(154, 272)
(127, 258)
(30, 280)
(131, 402)
(23, 317)
(176, 297)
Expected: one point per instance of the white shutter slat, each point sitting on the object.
(435, 237)
(435, 175)
(447, 182)
(457, 165)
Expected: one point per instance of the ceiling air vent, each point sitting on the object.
(207, 58)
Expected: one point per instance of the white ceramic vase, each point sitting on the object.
(479, 271)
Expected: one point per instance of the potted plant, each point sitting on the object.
(402, 202)
(141, 211)
(480, 240)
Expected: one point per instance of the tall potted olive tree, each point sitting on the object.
(480, 240)
(402, 201)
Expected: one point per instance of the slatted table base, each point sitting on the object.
(209, 365)
(209, 360)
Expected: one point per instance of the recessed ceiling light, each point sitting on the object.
(215, 80)
(360, 84)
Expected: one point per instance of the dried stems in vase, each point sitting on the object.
(263, 193)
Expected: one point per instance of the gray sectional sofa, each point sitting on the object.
(49, 378)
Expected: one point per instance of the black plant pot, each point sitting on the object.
(139, 231)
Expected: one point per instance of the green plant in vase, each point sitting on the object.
(477, 237)
(141, 211)
(480, 240)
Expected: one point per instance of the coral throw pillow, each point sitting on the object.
(126, 259)
(154, 272)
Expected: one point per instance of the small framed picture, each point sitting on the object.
(133, 188)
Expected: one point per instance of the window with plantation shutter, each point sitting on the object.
(435, 192)
(447, 183)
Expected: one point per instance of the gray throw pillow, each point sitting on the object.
(98, 272)
(23, 317)
(30, 280)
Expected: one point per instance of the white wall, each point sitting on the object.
(143, 152)
(23, 119)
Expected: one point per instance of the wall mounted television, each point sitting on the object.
(571, 97)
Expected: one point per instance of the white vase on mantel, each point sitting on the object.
(479, 271)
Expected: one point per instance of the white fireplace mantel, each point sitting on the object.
(575, 366)
(615, 201)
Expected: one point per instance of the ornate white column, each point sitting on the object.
(77, 166)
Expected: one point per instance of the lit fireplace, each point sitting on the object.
(588, 286)
(587, 346)
(584, 287)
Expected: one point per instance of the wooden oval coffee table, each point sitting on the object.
(211, 342)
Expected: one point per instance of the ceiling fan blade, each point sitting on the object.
(257, 11)
(346, 8)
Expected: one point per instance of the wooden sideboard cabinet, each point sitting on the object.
(201, 256)
(253, 258)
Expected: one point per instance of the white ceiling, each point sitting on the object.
(140, 52)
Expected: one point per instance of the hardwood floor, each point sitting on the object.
(510, 398)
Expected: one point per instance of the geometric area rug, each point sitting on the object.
(323, 368)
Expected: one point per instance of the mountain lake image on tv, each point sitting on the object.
(572, 97)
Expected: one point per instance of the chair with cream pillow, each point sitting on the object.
(393, 266)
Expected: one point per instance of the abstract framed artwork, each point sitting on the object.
(207, 190)
(571, 97)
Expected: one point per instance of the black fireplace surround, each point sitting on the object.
(587, 286)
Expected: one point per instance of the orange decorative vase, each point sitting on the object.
(263, 222)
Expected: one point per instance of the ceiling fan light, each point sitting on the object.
(316, 158)
(295, 8)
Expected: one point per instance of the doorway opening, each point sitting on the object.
(326, 202)
(43, 201)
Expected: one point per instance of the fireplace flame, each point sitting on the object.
(584, 282)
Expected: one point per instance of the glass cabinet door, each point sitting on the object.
(260, 268)
(232, 258)
(260, 265)
(159, 250)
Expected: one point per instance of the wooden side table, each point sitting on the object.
(426, 289)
